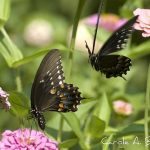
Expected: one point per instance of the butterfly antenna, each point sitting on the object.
(97, 23)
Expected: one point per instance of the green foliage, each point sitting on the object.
(74, 123)
(132, 129)
(19, 104)
(4, 11)
(68, 143)
(95, 127)
(100, 111)
(8, 49)
(95, 118)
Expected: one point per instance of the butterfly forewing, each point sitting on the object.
(45, 78)
(119, 38)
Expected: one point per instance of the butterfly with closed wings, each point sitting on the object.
(112, 65)
(50, 92)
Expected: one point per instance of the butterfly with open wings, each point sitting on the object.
(112, 65)
(50, 92)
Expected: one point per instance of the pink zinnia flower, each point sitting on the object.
(110, 22)
(122, 107)
(25, 139)
(143, 21)
(4, 99)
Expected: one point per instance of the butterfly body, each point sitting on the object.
(49, 90)
(40, 118)
(113, 65)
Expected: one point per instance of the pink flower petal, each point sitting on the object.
(7, 132)
(147, 30)
(25, 139)
(143, 22)
(122, 107)
(145, 34)
(144, 15)
(144, 25)
(137, 26)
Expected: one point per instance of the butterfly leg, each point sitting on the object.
(86, 45)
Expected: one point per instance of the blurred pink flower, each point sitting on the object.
(4, 99)
(122, 107)
(143, 21)
(110, 22)
(25, 139)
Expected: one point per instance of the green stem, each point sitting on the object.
(11, 47)
(59, 136)
(147, 104)
(22, 122)
(18, 82)
(106, 146)
(70, 59)
(73, 38)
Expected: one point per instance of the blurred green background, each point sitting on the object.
(32, 27)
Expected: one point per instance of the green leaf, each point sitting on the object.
(74, 123)
(127, 9)
(12, 48)
(109, 139)
(86, 106)
(131, 130)
(103, 110)
(4, 11)
(97, 146)
(54, 117)
(8, 49)
(19, 104)
(95, 127)
(140, 50)
(30, 58)
(68, 143)
(5, 54)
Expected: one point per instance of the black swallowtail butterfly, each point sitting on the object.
(50, 92)
(112, 65)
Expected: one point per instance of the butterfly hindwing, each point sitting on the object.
(67, 97)
(113, 65)
(118, 39)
